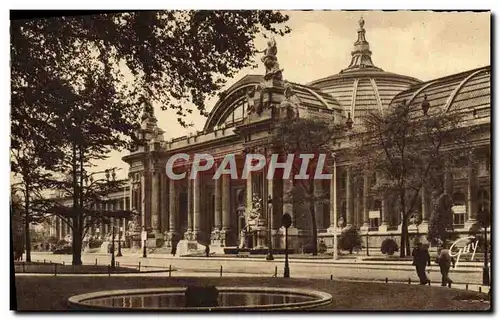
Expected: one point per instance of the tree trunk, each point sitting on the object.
(27, 238)
(77, 242)
(314, 229)
(404, 227)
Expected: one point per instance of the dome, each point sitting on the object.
(468, 92)
(362, 86)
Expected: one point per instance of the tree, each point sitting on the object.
(411, 150)
(27, 193)
(17, 225)
(174, 56)
(441, 222)
(305, 135)
(73, 100)
(349, 239)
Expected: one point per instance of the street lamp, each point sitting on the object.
(113, 244)
(286, 222)
(111, 176)
(486, 269)
(269, 240)
(120, 242)
(145, 235)
(335, 242)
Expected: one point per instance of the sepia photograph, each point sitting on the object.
(250, 160)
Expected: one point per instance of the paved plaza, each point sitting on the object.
(353, 270)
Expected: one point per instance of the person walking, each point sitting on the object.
(207, 251)
(174, 246)
(421, 259)
(445, 261)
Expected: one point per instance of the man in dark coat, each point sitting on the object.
(445, 261)
(421, 258)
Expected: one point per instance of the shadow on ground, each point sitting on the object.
(50, 293)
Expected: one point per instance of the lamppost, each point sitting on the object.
(112, 243)
(119, 254)
(111, 174)
(486, 269)
(286, 222)
(335, 241)
(145, 235)
(269, 240)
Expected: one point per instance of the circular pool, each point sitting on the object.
(227, 298)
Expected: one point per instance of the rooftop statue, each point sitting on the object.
(291, 102)
(361, 22)
(270, 61)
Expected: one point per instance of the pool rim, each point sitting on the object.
(320, 298)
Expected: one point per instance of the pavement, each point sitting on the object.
(465, 276)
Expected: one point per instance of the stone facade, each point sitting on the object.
(207, 211)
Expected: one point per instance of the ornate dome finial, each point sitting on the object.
(361, 55)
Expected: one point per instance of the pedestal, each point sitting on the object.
(423, 227)
(293, 238)
(105, 247)
(364, 228)
(159, 240)
(469, 223)
(383, 227)
(216, 242)
(189, 247)
(260, 237)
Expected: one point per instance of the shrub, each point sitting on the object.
(52, 240)
(62, 243)
(389, 246)
(95, 243)
(322, 247)
(349, 239)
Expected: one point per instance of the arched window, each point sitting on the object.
(236, 115)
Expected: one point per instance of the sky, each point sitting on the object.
(424, 45)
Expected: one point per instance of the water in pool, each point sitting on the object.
(172, 300)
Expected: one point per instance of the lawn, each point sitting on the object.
(43, 293)
(36, 267)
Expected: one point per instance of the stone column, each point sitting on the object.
(196, 206)
(164, 195)
(218, 205)
(448, 182)
(226, 209)
(287, 199)
(318, 204)
(143, 202)
(155, 202)
(189, 232)
(471, 196)
(173, 214)
(60, 227)
(333, 202)
(349, 198)
(384, 212)
(366, 204)
(249, 193)
(217, 212)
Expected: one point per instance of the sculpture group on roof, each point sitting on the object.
(270, 61)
